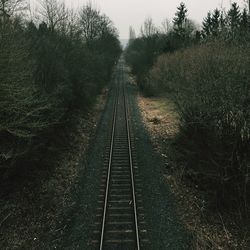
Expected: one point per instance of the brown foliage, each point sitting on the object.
(211, 87)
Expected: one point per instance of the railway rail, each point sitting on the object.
(120, 218)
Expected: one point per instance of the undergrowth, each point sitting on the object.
(210, 85)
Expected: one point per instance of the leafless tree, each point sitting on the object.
(9, 7)
(93, 24)
(53, 13)
(71, 24)
(248, 3)
(89, 22)
(166, 25)
(148, 29)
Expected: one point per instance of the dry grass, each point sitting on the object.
(210, 230)
(161, 112)
(210, 84)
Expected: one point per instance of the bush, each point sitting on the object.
(46, 73)
(211, 87)
(24, 110)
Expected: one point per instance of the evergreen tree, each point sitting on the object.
(234, 18)
(244, 21)
(215, 20)
(222, 22)
(207, 25)
(180, 20)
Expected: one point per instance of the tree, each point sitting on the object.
(8, 7)
(148, 29)
(189, 28)
(244, 21)
(166, 26)
(207, 25)
(132, 35)
(93, 24)
(222, 22)
(53, 13)
(248, 5)
(180, 20)
(216, 22)
(89, 22)
(234, 17)
(213, 24)
(47, 70)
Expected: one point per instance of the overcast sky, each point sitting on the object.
(133, 12)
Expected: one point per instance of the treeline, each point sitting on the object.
(49, 68)
(206, 72)
(180, 33)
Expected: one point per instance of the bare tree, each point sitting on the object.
(166, 25)
(89, 21)
(248, 3)
(72, 27)
(53, 13)
(93, 24)
(9, 7)
(148, 29)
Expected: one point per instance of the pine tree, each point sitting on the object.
(222, 22)
(207, 25)
(244, 21)
(234, 18)
(180, 20)
(215, 22)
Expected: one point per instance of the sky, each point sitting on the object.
(125, 13)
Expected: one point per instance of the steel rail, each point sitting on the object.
(109, 169)
(131, 169)
(110, 162)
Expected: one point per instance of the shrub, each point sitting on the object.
(211, 87)
(48, 71)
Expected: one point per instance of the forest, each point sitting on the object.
(205, 71)
(53, 62)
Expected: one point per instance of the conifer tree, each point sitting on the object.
(215, 22)
(234, 18)
(244, 21)
(222, 22)
(207, 25)
(180, 20)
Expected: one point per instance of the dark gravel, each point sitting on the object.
(165, 227)
(81, 216)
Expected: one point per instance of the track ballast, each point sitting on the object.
(120, 219)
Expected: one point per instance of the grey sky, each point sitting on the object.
(133, 12)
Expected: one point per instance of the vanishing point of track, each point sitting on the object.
(120, 220)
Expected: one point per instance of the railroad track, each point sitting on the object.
(120, 218)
